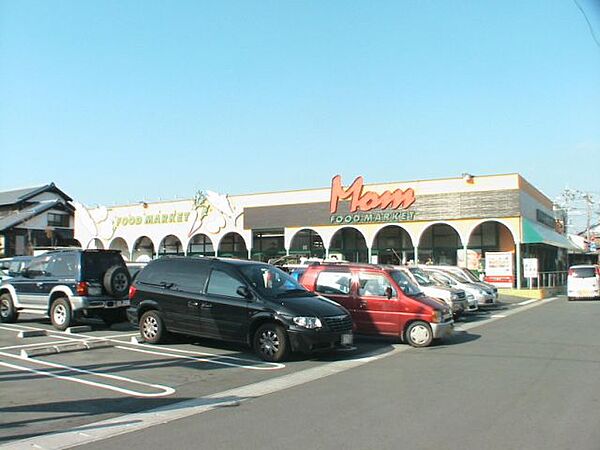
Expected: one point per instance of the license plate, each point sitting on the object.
(94, 291)
(347, 339)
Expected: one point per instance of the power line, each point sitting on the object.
(588, 22)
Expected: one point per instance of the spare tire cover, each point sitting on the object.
(117, 281)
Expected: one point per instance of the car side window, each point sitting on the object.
(221, 283)
(62, 266)
(374, 285)
(39, 267)
(333, 283)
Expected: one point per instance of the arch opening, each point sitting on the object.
(349, 244)
(393, 245)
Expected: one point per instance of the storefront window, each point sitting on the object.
(439, 244)
(200, 244)
(307, 243)
(350, 244)
(393, 245)
(170, 245)
(267, 244)
(233, 246)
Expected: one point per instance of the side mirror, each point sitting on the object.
(243, 291)
(25, 273)
(388, 292)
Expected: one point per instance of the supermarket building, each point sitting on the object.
(444, 221)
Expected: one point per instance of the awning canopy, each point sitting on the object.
(540, 234)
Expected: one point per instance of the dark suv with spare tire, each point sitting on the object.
(69, 284)
(233, 300)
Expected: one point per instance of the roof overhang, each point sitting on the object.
(540, 234)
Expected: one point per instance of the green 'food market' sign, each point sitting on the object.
(402, 216)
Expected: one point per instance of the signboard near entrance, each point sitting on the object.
(499, 269)
(530, 267)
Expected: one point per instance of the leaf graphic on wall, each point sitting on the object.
(199, 214)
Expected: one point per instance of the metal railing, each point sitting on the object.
(547, 280)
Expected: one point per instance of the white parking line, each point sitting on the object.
(173, 352)
(138, 421)
(164, 390)
(192, 358)
(527, 302)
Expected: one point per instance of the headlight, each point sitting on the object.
(436, 317)
(454, 297)
(308, 322)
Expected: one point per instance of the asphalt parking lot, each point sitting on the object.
(53, 380)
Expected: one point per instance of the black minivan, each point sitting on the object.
(234, 300)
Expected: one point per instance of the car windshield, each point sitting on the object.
(421, 277)
(470, 275)
(273, 282)
(406, 284)
(459, 277)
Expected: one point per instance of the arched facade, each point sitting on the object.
(488, 236)
(170, 245)
(95, 244)
(439, 243)
(393, 245)
(351, 244)
(200, 245)
(143, 250)
(121, 245)
(307, 242)
(232, 245)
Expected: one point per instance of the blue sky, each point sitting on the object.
(119, 101)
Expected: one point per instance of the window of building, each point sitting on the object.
(267, 244)
(58, 220)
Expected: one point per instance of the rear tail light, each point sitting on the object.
(82, 288)
(132, 292)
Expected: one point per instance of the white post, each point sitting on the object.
(518, 263)
(416, 260)
(466, 250)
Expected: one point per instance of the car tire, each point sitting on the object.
(8, 312)
(112, 316)
(271, 342)
(418, 334)
(61, 314)
(152, 327)
(116, 281)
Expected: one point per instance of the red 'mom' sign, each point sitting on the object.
(369, 200)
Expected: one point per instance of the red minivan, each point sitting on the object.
(382, 301)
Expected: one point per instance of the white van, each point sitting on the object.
(583, 282)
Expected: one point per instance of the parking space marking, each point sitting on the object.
(207, 360)
(164, 390)
(527, 302)
(211, 358)
(137, 421)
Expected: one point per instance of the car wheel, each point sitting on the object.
(8, 313)
(271, 342)
(116, 281)
(419, 334)
(152, 328)
(60, 314)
